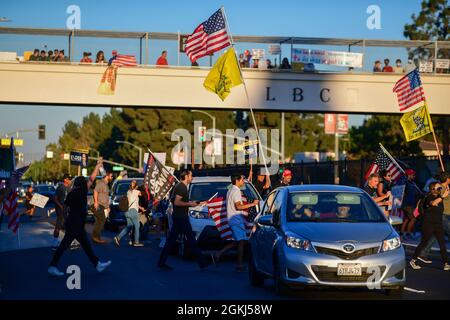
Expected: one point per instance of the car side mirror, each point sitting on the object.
(265, 220)
(394, 220)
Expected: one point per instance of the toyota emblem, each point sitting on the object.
(348, 248)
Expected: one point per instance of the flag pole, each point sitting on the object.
(438, 150)
(230, 36)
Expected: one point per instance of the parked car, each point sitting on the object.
(325, 235)
(202, 189)
(116, 216)
(45, 190)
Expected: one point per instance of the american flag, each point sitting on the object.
(409, 91)
(382, 162)
(209, 37)
(10, 206)
(124, 60)
(217, 210)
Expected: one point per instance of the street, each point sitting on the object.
(133, 274)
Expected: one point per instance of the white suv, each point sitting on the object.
(202, 189)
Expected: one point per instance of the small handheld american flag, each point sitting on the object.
(382, 162)
(125, 60)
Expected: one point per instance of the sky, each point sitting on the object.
(301, 18)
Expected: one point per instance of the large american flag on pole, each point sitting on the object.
(217, 210)
(383, 162)
(409, 91)
(210, 36)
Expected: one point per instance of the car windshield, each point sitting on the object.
(201, 191)
(332, 207)
(40, 189)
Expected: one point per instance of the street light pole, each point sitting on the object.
(137, 147)
(213, 156)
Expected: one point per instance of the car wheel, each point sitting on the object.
(256, 277)
(395, 292)
(281, 288)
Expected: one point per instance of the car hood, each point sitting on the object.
(341, 231)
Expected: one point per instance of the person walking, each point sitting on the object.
(236, 220)
(433, 207)
(410, 200)
(181, 224)
(132, 215)
(101, 204)
(444, 179)
(60, 197)
(76, 203)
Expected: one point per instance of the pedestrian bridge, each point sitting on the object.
(150, 86)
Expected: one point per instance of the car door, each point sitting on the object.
(261, 234)
(272, 232)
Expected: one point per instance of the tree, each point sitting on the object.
(432, 24)
(364, 140)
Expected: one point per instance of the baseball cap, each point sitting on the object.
(409, 172)
(287, 173)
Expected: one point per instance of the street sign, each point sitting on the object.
(118, 168)
(66, 156)
(7, 142)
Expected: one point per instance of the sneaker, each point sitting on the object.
(446, 266)
(138, 244)
(116, 241)
(424, 260)
(413, 265)
(55, 272)
(102, 265)
(164, 267)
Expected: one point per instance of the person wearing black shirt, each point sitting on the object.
(180, 222)
(384, 186)
(286, 179)
(432, 224)
(76, 203)
(262, 182)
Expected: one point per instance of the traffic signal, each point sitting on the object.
(202, 134)
(42, 132)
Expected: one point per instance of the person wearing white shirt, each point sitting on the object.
(132, 216)
(236, 220)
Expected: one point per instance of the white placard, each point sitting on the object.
(49, 154)
(274, 49)
(426, 66)
(39, 200)
(258, 54)
(66, 156)
(442, 63)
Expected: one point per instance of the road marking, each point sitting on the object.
(414, 290)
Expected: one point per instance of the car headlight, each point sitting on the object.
(391, 243)
(198, 214)
(297, 242)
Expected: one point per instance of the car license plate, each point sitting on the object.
(349, 269)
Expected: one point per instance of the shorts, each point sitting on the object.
(409, 212)
(239, 232)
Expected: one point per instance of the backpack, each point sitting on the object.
(123, 203)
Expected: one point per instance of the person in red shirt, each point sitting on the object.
(162, 60)
(387, 67)
(86, 58)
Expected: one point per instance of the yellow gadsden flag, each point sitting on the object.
(417, 123)
(108, 82)
(224, 75)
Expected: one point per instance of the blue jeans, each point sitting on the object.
(432, 242)
(132, 216)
